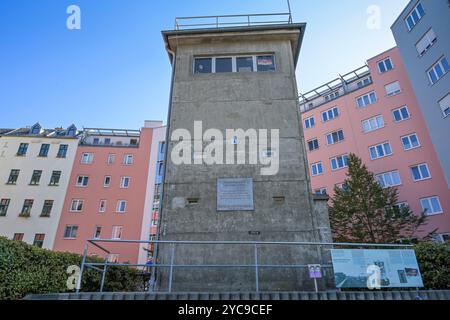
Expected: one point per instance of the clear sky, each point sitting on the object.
(115, 73)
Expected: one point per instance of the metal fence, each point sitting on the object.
(237, 20)
(102, 267)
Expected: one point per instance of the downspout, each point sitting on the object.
(161, 201)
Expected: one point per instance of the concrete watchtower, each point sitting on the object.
(239, 78)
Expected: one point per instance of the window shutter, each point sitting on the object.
(393, 88)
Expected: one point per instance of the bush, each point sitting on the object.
(26, 269)
(434, 263)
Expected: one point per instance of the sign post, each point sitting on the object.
(315, 272)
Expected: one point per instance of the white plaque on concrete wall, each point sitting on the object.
(235, 194)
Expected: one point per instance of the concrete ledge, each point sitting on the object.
(329, 295)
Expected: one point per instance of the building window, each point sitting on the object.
(224, 65)
(364, 82)
(26, 209)
(427, 41)
(431, 206)
(36, 177)
(39, 240)
(70, 232)
(54, 179)
(203, 65)
(160, 168)
(111, 158)
(393, 89)
(321, 191)
(330, 114)
(107, 181)
(82, 181)
(410, 142)
(335, 137)
(438, 70)
(385, 65)
(97, 232)
(117, 232)
(121, 206)
(13, 176)
(380, 151)
(18, 237)
(128, 159)
(44, 150)
(260, 63)
(366, 99)
(113, 258)
(47, 208)
(23, 148)
(445, 105)
(4, 204)
(87, 158)
(244, 64)
(401, 114)
(415, 16)
(313, 144)
(96, 141)
(310, 122)
(125, 182)
(62, 151)
(265, 63)
(389, 179)
(373, 124)
(102, 207)
(339, 162)
(77, 205)
(332, 96)
(420, 172)
(316, 169)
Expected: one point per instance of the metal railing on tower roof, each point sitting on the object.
(237, 20)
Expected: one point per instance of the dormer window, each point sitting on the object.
(36, 129)
(71, 131)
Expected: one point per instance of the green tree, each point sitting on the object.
(362, 211)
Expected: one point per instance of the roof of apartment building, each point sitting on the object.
(36, 130)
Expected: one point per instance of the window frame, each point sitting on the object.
(234, 59)
(390, 173)
(408, 136)
(369, 97)
(44, 150)
(430, 43)
(418, 166)
(433, 68)
(344, 162)
(84, 181)
(72, 229)
(312, 141)
(383, 61)
(332, 138)
(411, 15)
(317, 165)
(78, 202)
(334, 116)
(434, 213)
(4, 206)
(383, 144)
(399, 110)
(308, 120)
(118, 206)
(90, 158)
(376, 118)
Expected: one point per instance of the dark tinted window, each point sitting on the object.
(265, 63)
(244, 64)
(203, 65)
(224, 65)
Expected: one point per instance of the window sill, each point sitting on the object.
(24, 215)
(53, 185)
(44, 216)
(420, 180)
(34, 184)
(42, 156)
(434, 214)
(11, 184)
(21, 155)
(412, 149)
(60, 157)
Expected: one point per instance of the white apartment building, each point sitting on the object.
(35, 167)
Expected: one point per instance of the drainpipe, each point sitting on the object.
(161, 201)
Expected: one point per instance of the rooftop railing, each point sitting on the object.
(238, 20)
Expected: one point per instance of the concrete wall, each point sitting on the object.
(12, 223)
(437, 17)
(231, 101)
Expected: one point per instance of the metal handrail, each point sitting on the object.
(217, 23)
(257, 266)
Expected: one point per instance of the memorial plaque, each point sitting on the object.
(235, 194)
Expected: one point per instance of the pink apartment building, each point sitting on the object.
(111, 193)
(373, 112)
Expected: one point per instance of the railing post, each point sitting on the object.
(171, 267)
(217, 22)
(105, 268)
(83, 261)
(256, 268)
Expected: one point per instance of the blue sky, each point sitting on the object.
(115, 73)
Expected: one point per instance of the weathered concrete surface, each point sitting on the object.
(241, 101)
(360, 295)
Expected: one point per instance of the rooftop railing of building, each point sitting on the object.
(342, 85)
(238, 20)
